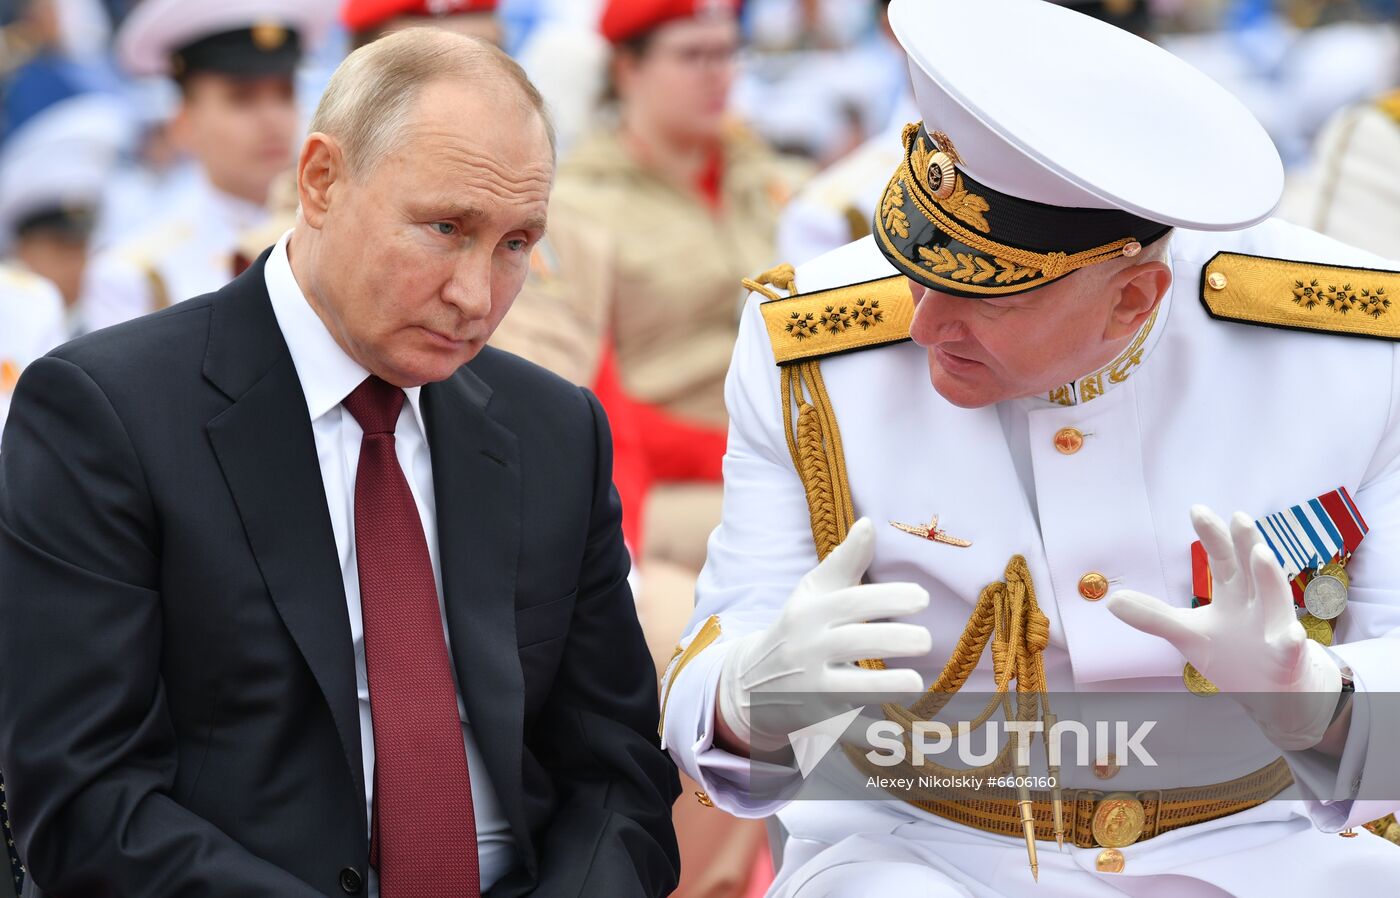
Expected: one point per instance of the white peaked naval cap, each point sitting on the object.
(157, 29)
(1053, 106)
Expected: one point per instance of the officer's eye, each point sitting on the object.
(445, 228)
(517, 244)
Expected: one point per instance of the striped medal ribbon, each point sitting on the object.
(1312, 540)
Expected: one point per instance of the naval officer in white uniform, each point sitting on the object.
(1106, 328)
(235, 64)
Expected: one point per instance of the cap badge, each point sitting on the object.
(936, 174)
(268, 36)
(942, 177)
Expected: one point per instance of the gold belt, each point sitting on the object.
(1097, 819)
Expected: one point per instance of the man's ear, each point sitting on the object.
(179, 127)
(319, 169)
(1138, 289)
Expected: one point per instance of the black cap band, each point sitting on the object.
(266, 49)
(67, 222)
(955, 235)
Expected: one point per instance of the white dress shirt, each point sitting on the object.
(327, 376)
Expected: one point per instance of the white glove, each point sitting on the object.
(813, 645)
(1248, 640)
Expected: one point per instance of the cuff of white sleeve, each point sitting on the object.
(689, 734)
(1321, 778)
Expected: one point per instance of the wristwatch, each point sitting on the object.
(1344, 699)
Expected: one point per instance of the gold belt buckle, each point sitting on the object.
(1122, 818)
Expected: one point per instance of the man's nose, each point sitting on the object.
(937, 317)
(469, 287)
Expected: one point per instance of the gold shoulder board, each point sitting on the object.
(1390, 105)
(842, 319)
(1332, 299)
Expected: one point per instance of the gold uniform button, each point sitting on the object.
(704, 799)
(1217, 280)
(1110, 860)
(1108, 768)
(1093, 586)
(1069, 440)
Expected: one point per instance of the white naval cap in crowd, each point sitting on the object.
(57, 165)
(241, 37)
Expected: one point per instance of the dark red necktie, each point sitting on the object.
(425, 831)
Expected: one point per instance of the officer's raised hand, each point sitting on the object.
(813, 646)
(1248, 640)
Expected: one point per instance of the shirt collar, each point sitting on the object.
(1092, 386)
(326, 372)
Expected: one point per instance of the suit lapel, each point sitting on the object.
(476, 481)
(267, 452)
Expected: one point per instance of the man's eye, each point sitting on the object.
(517, 245)
(445, 228)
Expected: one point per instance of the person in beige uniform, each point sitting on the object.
(689, 203)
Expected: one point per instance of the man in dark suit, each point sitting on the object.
(304, 590)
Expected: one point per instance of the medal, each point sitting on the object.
(1318, 630)
(1196, 681)
(1325, 596)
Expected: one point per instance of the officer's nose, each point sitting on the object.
(937, 317)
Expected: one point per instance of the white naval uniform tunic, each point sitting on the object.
(189, 250)
(1350, 190)
(1233, 416)
(31, 323)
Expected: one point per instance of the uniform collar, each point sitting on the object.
(239, 214)
(326, 372)
(1092, 386)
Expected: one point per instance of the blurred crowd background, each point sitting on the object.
(147, 146)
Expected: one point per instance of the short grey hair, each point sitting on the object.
(370, 97)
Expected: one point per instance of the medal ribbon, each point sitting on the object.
(1302, 538)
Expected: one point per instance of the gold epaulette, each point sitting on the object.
(842, 319)
(1310, 296)
(1390, 104)
(19, 279)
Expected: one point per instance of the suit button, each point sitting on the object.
(351, 881)
(1069, 440)
(1093, 586)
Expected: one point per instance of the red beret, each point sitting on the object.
(625, 19)
(362, 15)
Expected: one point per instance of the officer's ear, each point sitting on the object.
(320, 167)
(1136, 291)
